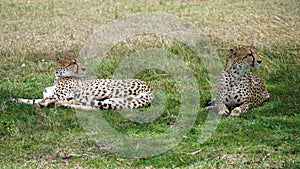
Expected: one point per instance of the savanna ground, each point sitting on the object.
(34, 33)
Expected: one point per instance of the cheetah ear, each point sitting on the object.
(230, 51)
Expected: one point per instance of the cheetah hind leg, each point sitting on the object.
(123, 103)
(129, 102)
(113, 103)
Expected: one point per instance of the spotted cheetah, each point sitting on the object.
(238, 89)
(70, 89)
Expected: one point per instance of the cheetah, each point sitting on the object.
(239, 89)
(72, 90)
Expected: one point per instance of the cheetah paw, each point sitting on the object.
(236, 112)
(224, 112)
(221, 109)
(14, 100)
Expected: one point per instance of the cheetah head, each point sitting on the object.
(69, 67)
(242, 58)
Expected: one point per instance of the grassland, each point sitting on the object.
(34, 33)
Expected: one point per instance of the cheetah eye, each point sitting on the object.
(73, 62)
(250, 54)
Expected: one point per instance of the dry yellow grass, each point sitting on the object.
(35, 31)
(52, 27)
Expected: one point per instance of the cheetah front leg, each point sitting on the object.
(48, 98)
(38, 102)
(242, 108)
(221, 108)
(75, 105)
(27, 101)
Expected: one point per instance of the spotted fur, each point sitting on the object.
(71, 90)
(239, 89)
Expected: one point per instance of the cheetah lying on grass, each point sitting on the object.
(239, 89)
(70, 89)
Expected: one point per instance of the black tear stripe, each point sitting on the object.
(72, 63)
(253, 58)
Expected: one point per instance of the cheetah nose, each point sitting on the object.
(259, 61)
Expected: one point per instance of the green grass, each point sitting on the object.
(35, 33)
